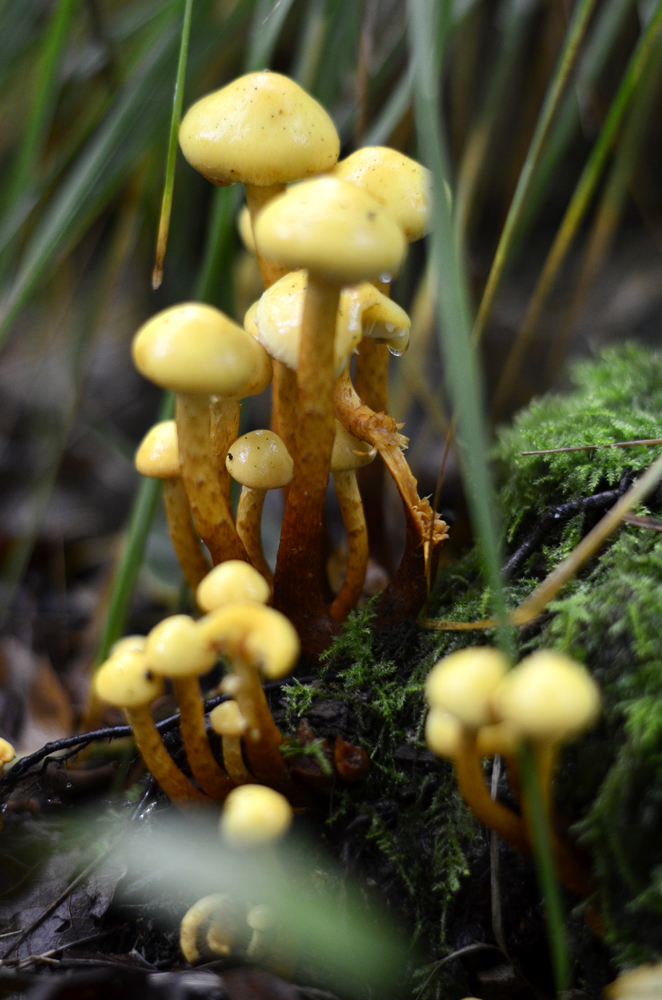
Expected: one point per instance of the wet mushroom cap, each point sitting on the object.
(195, 348)
(337, 231)
(254, 815)
(158, 453)
(176, 647)
(547, 696)
(231, 581)
(261, 129)
(349, 452)
(463, 682)
(126, 680)
(400, 183)
(260, 461)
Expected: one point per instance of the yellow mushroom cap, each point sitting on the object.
(136, 642)
(231, 581)
(381, 318)
(463, 683)
(260, 129)
(176, 647)
(211, 913)
(499, 737)
(400, 183)
(259, 635)
(158, 454)
(643, 983)
(335, 230)
(7, 751)
(260, 461)
(547, 697)
(126, 680)
(261, 917)
(245, 227)
(442, 733)
(349, 452)
(254, 815)
(195, 348)
(227, 720)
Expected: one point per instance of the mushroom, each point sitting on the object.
(209, 926)
(7, 752)
(176, 648)
(348, 455)
(254, 816)
(127, 681)
(259, 461)
(197, 352)
(232, 581)
(341, 235)
(229, 723)
(158, 457)
(255, 638)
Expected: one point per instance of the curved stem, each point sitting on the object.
(234, 761)
(207, 772)
(249, 514)
(184, 537)
(475, 793)
(166, 773)
(262, 739)
(211, 511)
(351, 508)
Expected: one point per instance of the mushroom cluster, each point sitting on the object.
(480, 708)
(328, 246)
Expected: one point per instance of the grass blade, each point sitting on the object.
(578, 204)
(268, 19)
(574, 36)
(177, 101)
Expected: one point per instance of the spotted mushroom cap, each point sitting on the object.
(349, 452)
(463, 683)
(262, 128)
(260, 461)
(337, 231)
(363, 311)
(127, 680)
(195, 348)
(262, 636)
(254, 815)
(158, 453)
(231, 581)
(176, 647)
(400, 183)
(547, 697)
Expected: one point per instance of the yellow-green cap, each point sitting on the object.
(463, 682)
(227, 720)
(259, 635)
(402, 184)
(176, 647)
(349, 452)
(547, 697)
(126, 680)
(262, 128)
(260, 461)
(232, 581)
(195, 348)
(337, 231)
(158, 454)
(254, 816)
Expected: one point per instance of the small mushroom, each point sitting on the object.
(348, 455)
(176, 648)
(127, 681)
(232, 581)
(7, 752)
(259, 461)
(229, 723)
(254, 816)
(341, 235)
(197, 352)
(209, 926)
(158, 457)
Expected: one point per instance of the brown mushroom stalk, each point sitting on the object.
(158, 457)
(175, 648)
(127, 681)
(224, 417)
(229, 723)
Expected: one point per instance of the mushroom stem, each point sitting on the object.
(474, 792)
(298, 578)
(371, 375)
(148, 740)
(182, 533)
(249, 514)
(284, 395)
(207, 772)
(263, 738)
(351, 508)
(223, 430)
(257, 196)
(209, 507)
(234, 760)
